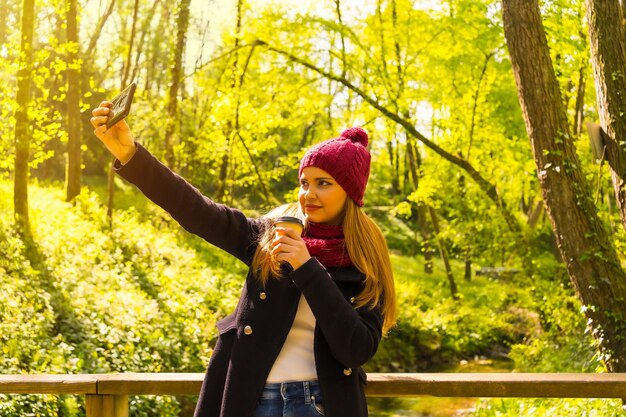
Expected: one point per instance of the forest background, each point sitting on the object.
(230, 93)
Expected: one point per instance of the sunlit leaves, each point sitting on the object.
(428, 192)
(124, 301)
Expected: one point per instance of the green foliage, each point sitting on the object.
(537, 323)
(565, 345)
(37, 405)
(439, 331)
(114, 300)
(246, 113)
(101, 300)
(93, 299)
(549, 408)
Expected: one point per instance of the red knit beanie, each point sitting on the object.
(345, 158)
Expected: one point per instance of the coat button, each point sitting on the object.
(247, 330)
(262, 296)
(347, 371)
(352, 300)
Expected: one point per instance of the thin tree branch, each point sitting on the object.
(475, 106)
(96, 36)
(217, 58)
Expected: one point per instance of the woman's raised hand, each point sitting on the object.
(118, 139)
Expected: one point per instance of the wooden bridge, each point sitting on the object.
(107, 394)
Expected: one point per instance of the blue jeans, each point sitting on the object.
(291, 399)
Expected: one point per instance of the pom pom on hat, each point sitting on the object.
(356, 134)
(345, 158)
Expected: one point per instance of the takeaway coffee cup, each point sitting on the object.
(290, 222)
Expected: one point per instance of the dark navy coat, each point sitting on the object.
(251, 338)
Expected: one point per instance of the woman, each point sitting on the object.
(313, 308)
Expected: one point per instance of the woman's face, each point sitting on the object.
(322, 200)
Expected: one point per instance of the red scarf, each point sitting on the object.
(326, 242)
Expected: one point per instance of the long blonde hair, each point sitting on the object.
(368, 252)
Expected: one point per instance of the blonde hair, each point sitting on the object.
(369, 255)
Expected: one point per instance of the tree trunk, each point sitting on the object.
(22, 127)
(126, 71)
(343, 40)
(4, 6)
(145, 29)
(73, 173)
(182, 23)
(131, 43)
(475, 104)
(608, 57)
(422, 211)
(583, 242)
(93, 42)
(266, 193)
(110, 194)
(468, 266)
(579, 111)
(534, 214)
(424, 230)
(400, 72)
(232, 126)
(381, 39)
(444, 254)
(393, 164)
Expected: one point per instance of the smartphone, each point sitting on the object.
(121, 105)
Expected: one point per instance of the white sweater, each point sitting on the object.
(296, 361)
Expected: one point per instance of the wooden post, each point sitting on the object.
(106, 405)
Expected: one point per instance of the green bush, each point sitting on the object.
(437, 331)
(512, 407)
(95, 299)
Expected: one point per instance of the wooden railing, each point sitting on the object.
(107, 394)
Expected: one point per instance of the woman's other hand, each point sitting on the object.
(118, 139)
(289, 247)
